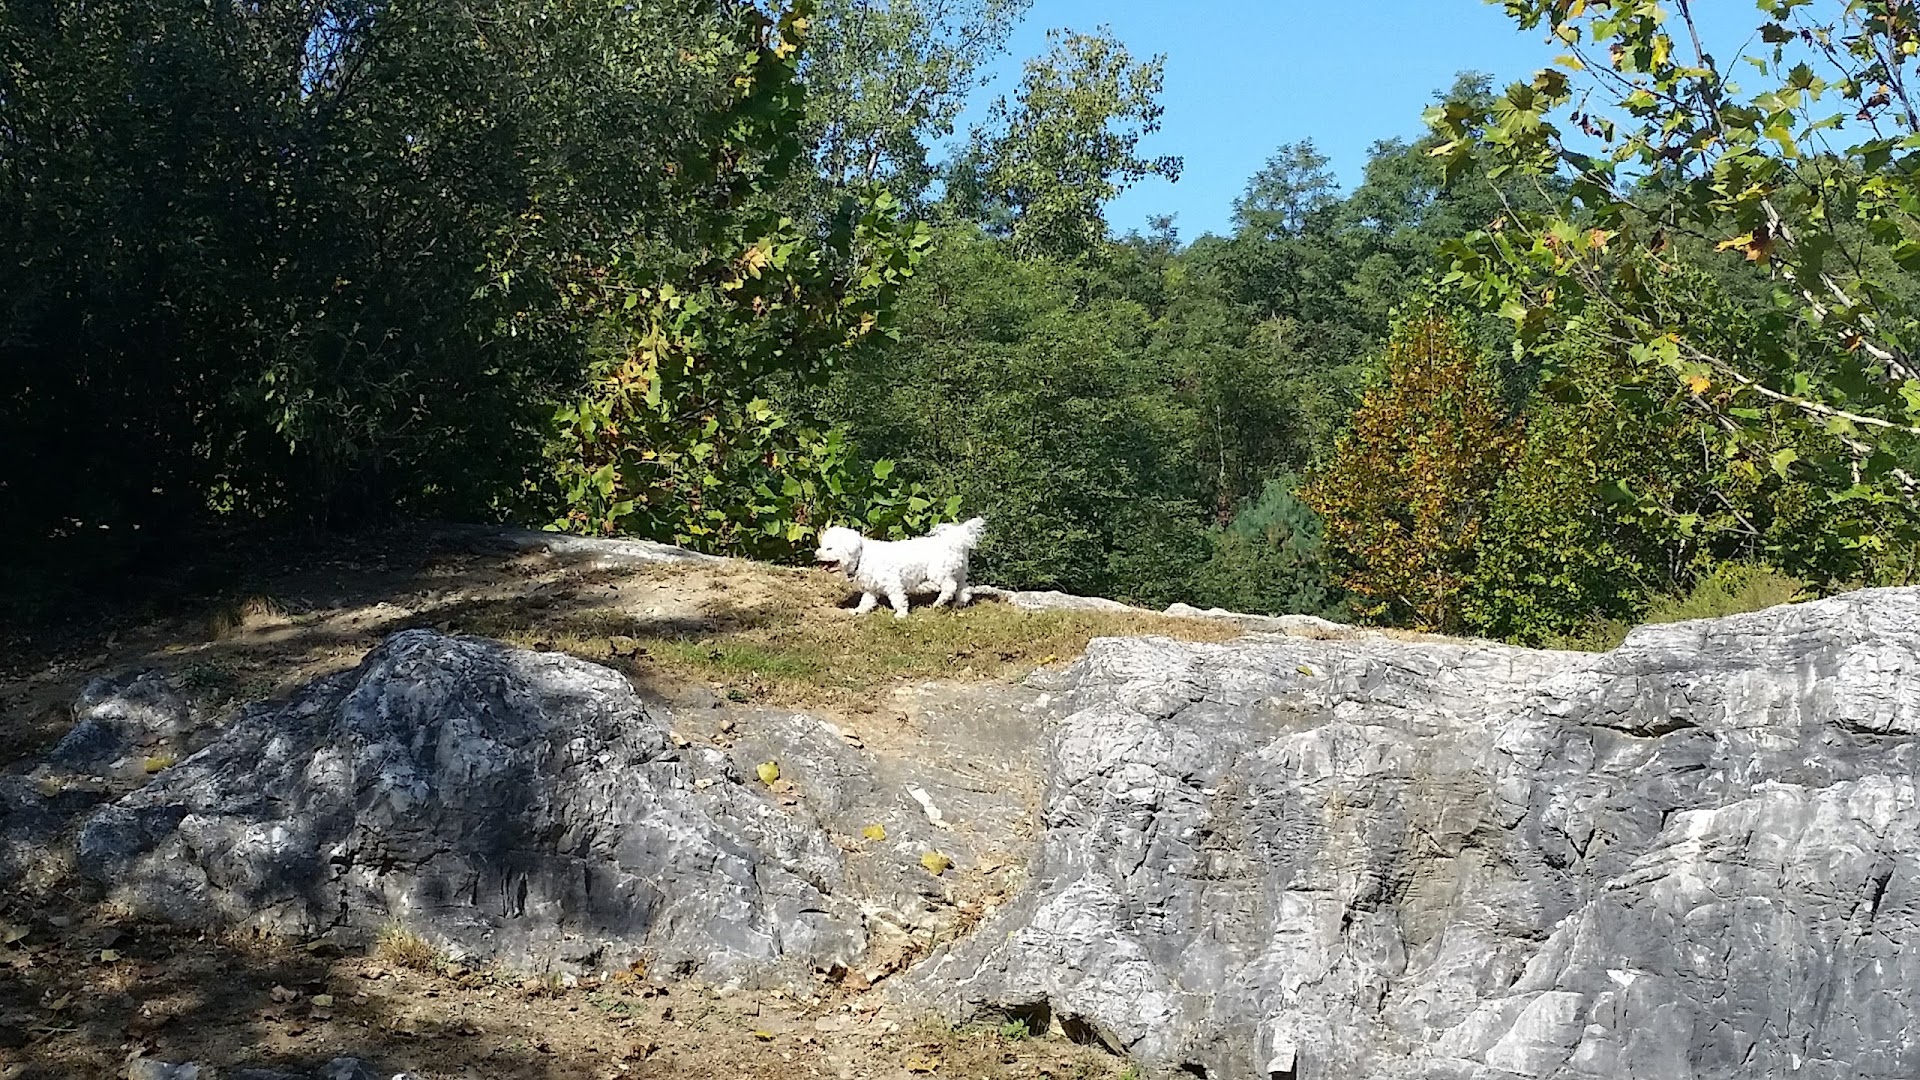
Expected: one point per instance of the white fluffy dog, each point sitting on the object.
(897, 569)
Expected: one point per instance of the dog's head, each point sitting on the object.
(839, 550)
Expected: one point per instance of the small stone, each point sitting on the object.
(346, 1068)
(145, 1068)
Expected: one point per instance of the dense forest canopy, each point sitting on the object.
(721, 273)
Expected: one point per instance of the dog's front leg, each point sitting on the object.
(868, 602)
(897, 596)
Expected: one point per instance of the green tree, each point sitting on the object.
(1066, 143)
(301, 261)
(1018, 387)
(1289, 193)
(680, 434)
(887, 78)
(1271, 560)
(1658, 144)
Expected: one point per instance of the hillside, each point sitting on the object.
(700, 820)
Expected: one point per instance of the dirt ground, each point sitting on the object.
(85, 989)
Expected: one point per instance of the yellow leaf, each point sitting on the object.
(874, 832)
(323, 1001)
(763, 1036)
(1699, 384)
(158, 762)
(936, 863)
(918, 1063)
(768, 771)
(109, 956)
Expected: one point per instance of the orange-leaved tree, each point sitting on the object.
(1408, 486)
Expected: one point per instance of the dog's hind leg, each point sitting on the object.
(897, 596)
(868, 602)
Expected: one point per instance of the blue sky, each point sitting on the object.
(1244, 76)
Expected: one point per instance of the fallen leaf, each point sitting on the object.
(763, 1036)
(60, 1002)
(109, 956)
(10, 933)
(282, 995)
(874, 832)
(768, 772)
(159, 762)
(1304, 670)
(323, 1001)
(918, 1063)
(936, 863)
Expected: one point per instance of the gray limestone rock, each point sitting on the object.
(507, 804)
(120, 720)
(1694, 858)
(1298, 625)
(1302, 853)
(590, 552)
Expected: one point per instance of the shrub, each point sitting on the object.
(1271, 560)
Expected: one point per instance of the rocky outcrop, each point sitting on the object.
(516, 805)
(1697, 856)
(1310, 852)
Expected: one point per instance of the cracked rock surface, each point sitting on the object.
(1696, 857)
(520, 806)
(1305, 853)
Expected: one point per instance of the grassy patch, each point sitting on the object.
(784, 637)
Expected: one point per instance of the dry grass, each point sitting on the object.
(784, 637)
(403, 948)
(253, 613)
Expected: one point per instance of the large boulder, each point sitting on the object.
(519, 806)
(1696, 857)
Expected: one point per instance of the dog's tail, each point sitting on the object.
(970, 531)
